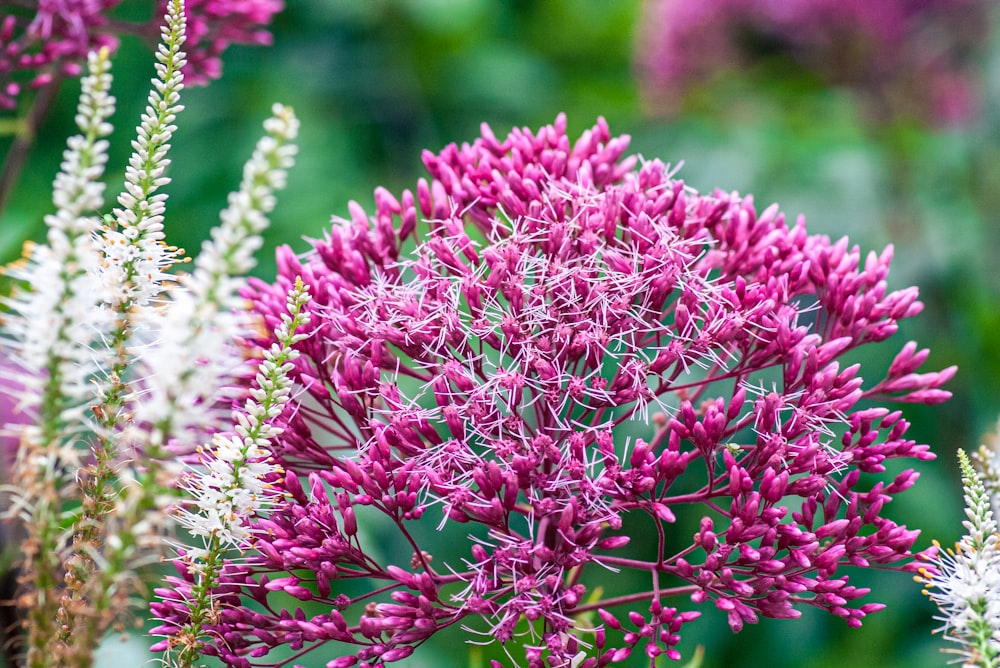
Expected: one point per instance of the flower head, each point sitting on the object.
(574, 349)
(12, 416)
(215, 24)
(189, 375)
(60, 316)
(905, 58)
(986, 461)
(52, 38)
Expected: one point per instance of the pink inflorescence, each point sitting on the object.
(12, 418)
(572, 367)
(51, 38)
(905, 58)
(215, 24)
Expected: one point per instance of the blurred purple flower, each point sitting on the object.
(11, 533)
(576, 350)
(49, 38)
(905, 58)
(10, 416)
(215, 24)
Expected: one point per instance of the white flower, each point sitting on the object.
(192, 364)
(231, 485)
(187, 370)
(965, 582)
(57, 318)
(136, 258)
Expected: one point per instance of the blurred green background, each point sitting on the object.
(375, 82)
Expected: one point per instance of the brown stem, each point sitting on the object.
(18, 155)
(633, 598)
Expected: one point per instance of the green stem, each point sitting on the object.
(202, 608)
(42, 564)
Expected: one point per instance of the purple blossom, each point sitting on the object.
(573, 341)
(905, 58)
(51, 38)
(11, 417)
(212, 25)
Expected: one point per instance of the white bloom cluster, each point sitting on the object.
(187, 377)
(986, 461)
(230, 252)
(965, 582)
(58, 319)
(112, 352)
(233, 482)
(229, 490)
(136, 257)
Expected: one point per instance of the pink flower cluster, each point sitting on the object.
(12, 417)
(212, 25)
(48, 38)
(575, 364)
(905, 58)
(11, 534)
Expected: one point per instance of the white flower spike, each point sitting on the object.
(965, 582)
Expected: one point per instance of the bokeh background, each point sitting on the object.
(377, 81)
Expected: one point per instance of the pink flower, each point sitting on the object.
(575, 349)
(215, 24)
(11, 530)
(52, 37)
(904, 58)
(11, 418)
